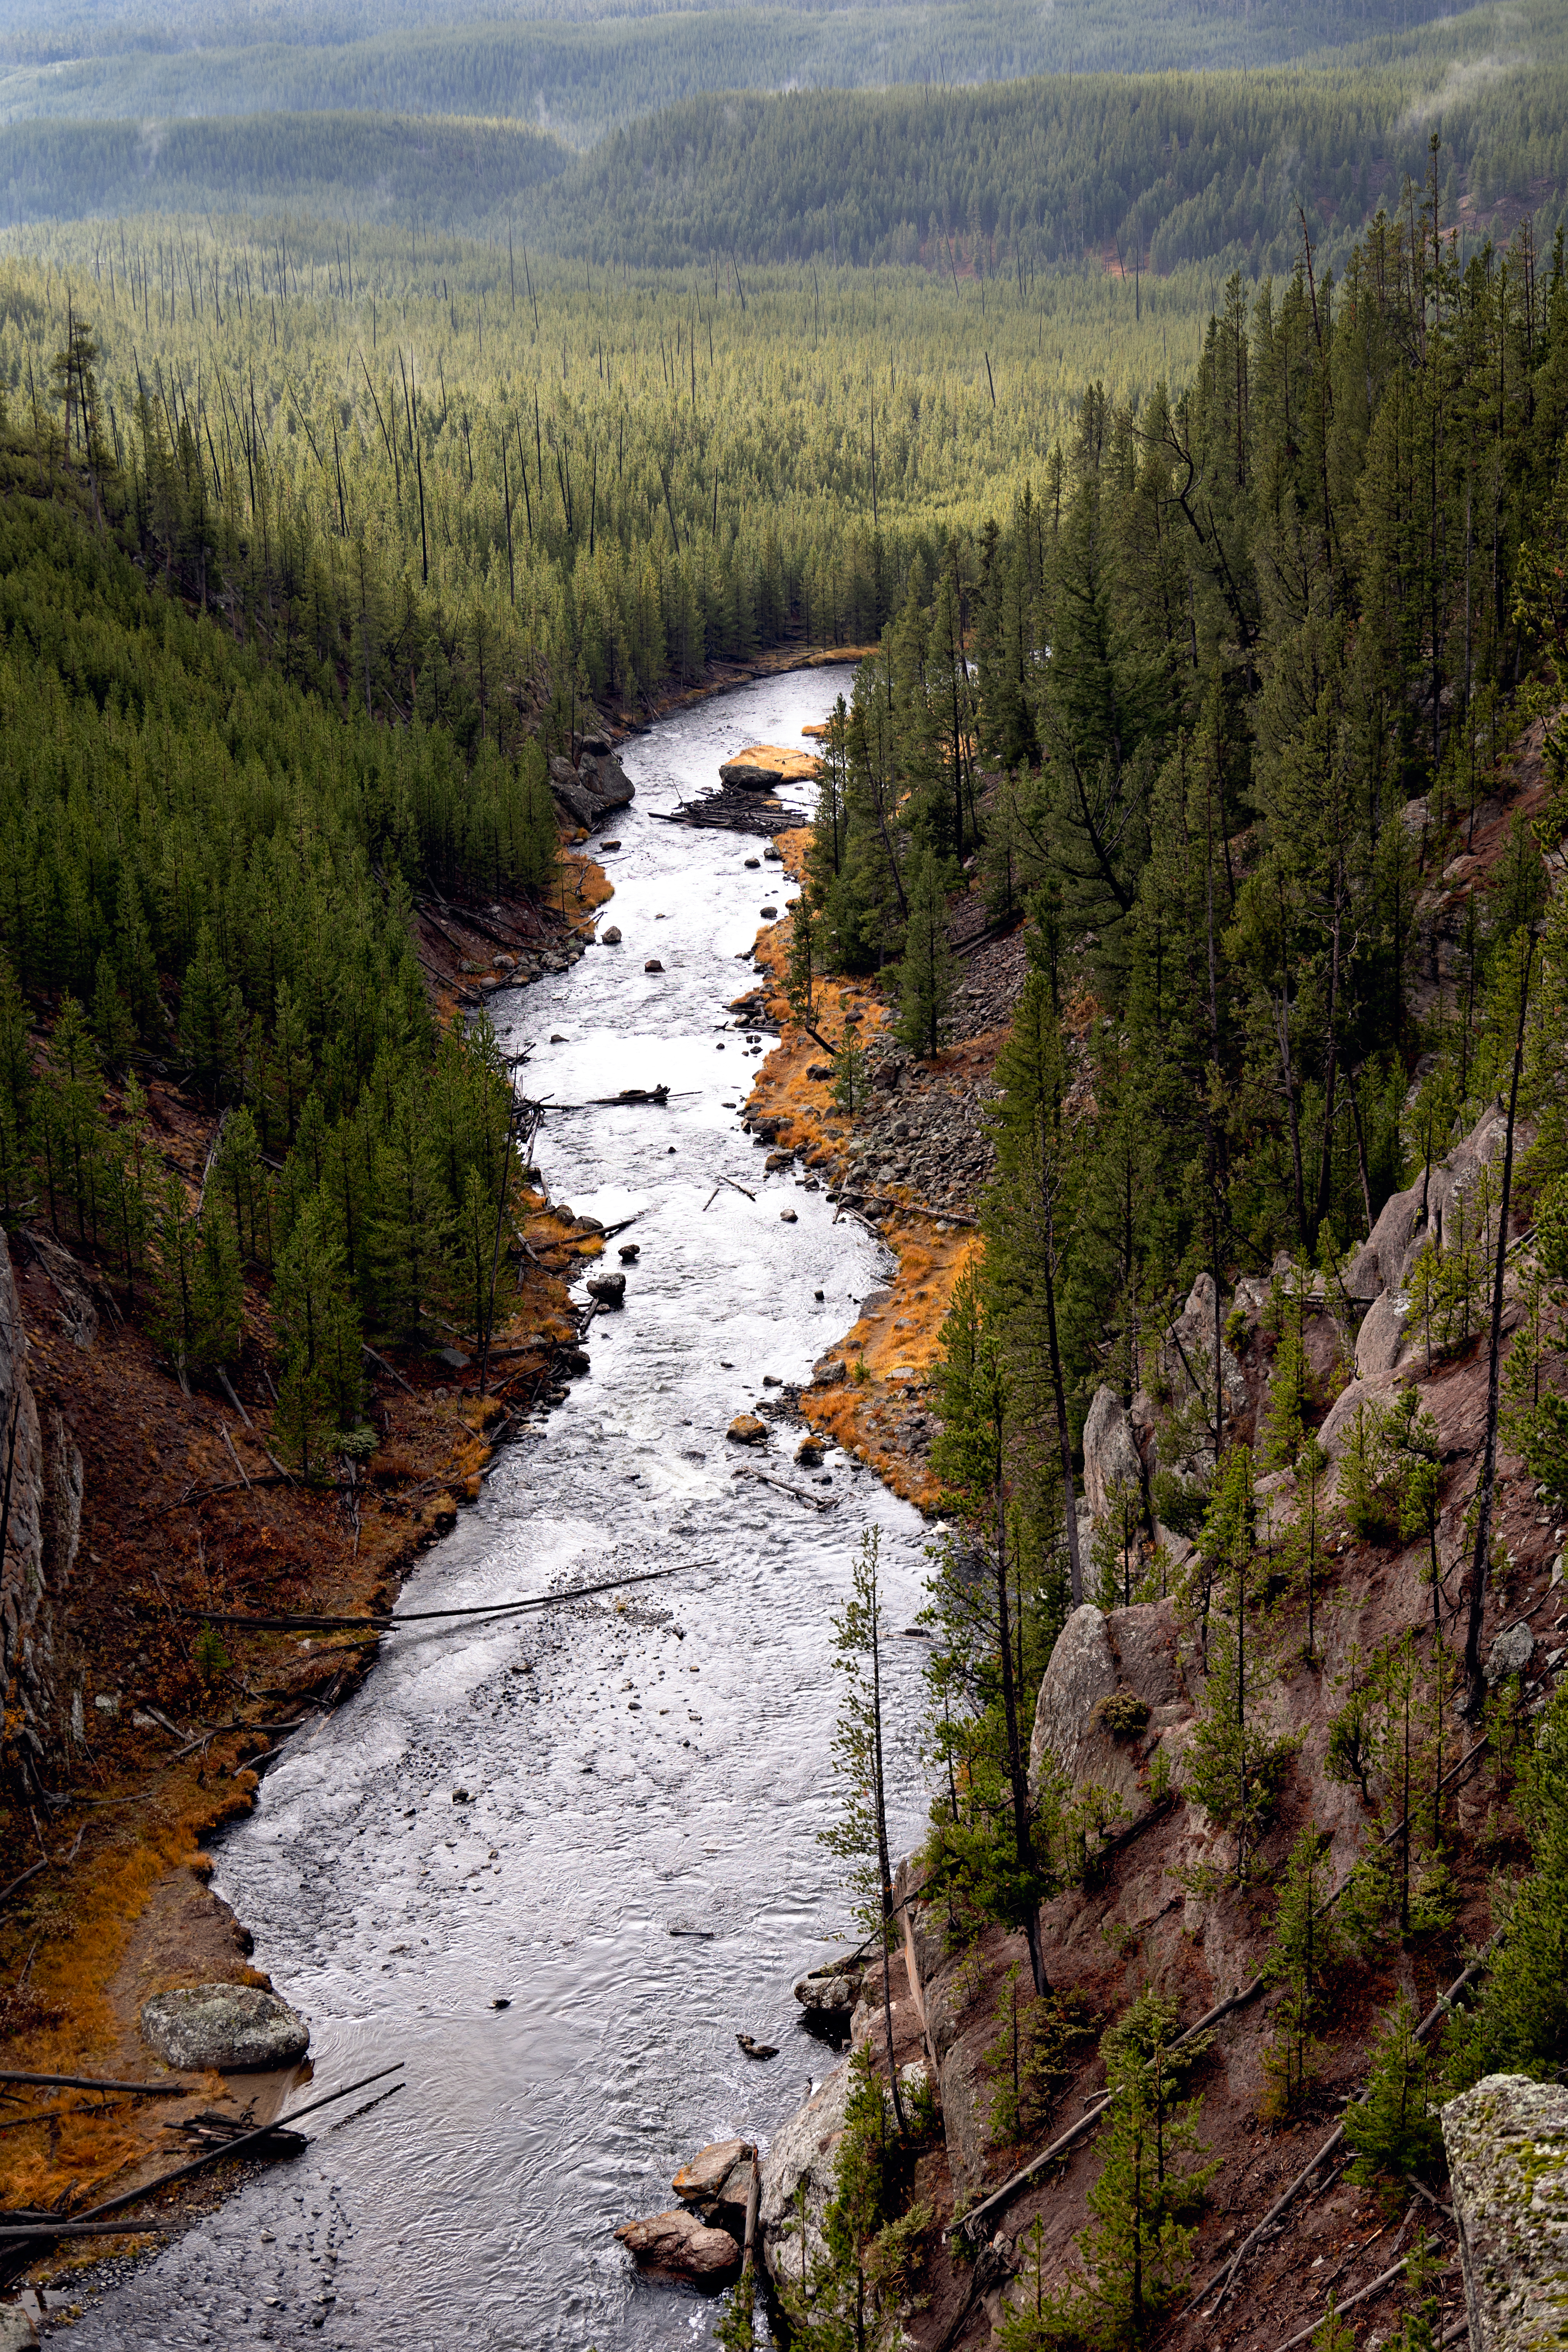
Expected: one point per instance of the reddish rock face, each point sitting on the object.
(678, 2245)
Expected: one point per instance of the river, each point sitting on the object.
(632, 1768)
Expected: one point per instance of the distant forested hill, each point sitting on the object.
(1163, 170)
(582, 69)
(1151, 172)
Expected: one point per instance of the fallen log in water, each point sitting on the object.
(280, 1625)
(817, 1502)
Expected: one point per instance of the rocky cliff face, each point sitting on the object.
(42, 1490)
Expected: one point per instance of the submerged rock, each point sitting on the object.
(235, 2028)
(678, 2245)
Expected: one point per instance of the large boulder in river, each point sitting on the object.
(238, 2029)
(606, 779)
(677, 2245)
(609, 1290)
(750, 776)
(704, 2178)
(588, 792)
(830, 1991)
(747, 1430)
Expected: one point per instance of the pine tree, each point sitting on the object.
(860, 1837)
(804, 955)
(1301, 1954)
(17, 1093)
(72, 1124)
(1519, 2024)
(1139, 2246)
(112, 1024)
(318, 1330)
(131, 1188)
(210, 1009)
(1235, 1769)
(849, 1072)
(1393, 2129)
(217, 1289)
(926, 973)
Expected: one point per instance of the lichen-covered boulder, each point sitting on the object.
(238, 2029)
(1508, 2159)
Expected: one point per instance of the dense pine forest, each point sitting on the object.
(209, 872)
(1210, 706)
(581, 70)
(1145, 173)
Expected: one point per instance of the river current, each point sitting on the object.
(635, 1872)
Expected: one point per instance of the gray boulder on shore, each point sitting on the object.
(237, 2029)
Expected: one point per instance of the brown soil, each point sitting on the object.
(879, 1412)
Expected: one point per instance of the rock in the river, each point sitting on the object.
(750, 776)
(629, 1252)
(1511, 1652)
(610, 936)
(609, 1290)
(808, 1453)
(1508, 2159)
(710, 2168)
(747, 1430)
(653, 964)
(678, 2245)
(832, 1989)
(18, 2333)
(788, 1217)
(235, 2028)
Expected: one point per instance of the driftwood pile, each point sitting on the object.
(732, 809)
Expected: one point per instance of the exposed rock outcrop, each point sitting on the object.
(1110, 1458)
(1507, 2160)
(40, 1465)
(804, 2149)
(1130, 1656)
(591, 789)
